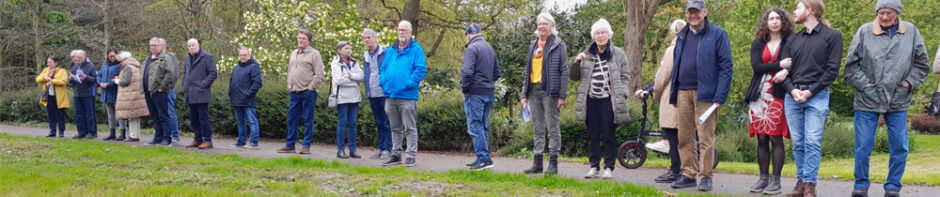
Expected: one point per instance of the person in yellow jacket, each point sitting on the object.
(54, 81)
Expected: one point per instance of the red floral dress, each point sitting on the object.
(767, 112)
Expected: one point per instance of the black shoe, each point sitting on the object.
(110, 136)
(121, 137)
(683, 182)
(410, 162)
(892, 193)
(482, 166)
(341, 155)
(706, 184)
(392, 160)
(166, 143)
(79, 137)
(153, 142)
(552, 165)
(90, 137)
(862, 192)
(51, 135)
(536, 165)
(352, 154)
(669, 177)
(473, 164)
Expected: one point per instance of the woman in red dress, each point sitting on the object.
(764, 96)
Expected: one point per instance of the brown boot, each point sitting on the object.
(797, 190)
(305, 150)
(195, 144)
(809, 190)
(205, 145)
(285, 150)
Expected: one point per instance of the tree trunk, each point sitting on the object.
(37, 38)
(107, 26)
(639, 14)
(412, 11)
(440, 38)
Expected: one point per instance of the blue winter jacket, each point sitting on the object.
(480, 68)
(244, 84)
(713, 73)
(105, 73)
(402, 71)
(85, 88)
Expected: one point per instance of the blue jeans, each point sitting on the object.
(865, 124)
(174, 123)
(56, 117)
(807, 121)
(301, 104)
(85, 116)
(381, 123)
(242, 114)
(347, 115)
(199, 121)
(477, 109)
(157, 105)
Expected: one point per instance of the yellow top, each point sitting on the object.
(536, 76)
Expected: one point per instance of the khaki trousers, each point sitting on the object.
(689, 110)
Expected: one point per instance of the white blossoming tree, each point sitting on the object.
(270, 32)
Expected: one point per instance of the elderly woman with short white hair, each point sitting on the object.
(604, 77)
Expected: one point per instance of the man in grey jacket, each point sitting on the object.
(199, 74)
(887, 60)
(372, 60)
(477, 78)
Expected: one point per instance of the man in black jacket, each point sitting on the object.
(200, 72)
(477, 77)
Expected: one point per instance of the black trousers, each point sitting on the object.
(601, 129)
(672, 134)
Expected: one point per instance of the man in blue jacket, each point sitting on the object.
(199, 74)
(242, 91)
(402, 72)
(83, 77)
(477, 78)
(109, 70)
(701, 77)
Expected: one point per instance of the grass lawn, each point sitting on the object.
(922, 168)
(33, 166)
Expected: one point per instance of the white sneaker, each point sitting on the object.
(659, 146)
(608, 174)
(592, 174)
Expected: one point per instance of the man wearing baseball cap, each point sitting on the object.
(477, 78)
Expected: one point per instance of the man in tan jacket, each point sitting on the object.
(304, 75)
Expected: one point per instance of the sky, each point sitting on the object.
(565, 5)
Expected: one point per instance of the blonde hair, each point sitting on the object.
(676, 26)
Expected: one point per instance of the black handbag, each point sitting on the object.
(934, 107)
(45, 94)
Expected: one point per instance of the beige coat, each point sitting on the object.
(668, 115)
(936, 65)
(130, 102)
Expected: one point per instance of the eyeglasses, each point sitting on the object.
(404, 30)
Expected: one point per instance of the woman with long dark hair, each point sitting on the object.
(764, 96)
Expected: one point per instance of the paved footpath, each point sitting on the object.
(724, 183)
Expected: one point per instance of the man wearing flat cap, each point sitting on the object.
(887, 61)
(477, 78)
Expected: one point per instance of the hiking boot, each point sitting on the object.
(110, 136)
(593, 173)
(482, 166)
(773, 185)
(608, 173)
(892, 193)
(341, 155)
(195, 144)
(354, 155)
(761, 184)
(797, 189)
(552, 165)
(304, 150)
(536, 165)
(286, 150)
(121, 137)
(862, 192)
(392, 160)
(705, 185)
(669, 177)
(205, 145)
(683, 182)
(410, 162)
(809, 190)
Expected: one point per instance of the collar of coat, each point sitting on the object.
(472, 40)
(877, 30)
(688, 28)
(550, 43)
(196, 57)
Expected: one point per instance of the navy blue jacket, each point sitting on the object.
(200, 71)
(480, 68)
(713, 73)
(105, 73)
(87, 86)
(244, 85)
